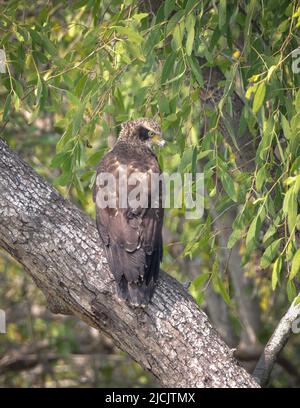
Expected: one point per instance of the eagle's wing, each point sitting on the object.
(132, 235)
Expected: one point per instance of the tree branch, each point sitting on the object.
(275, 345)
(58, 245)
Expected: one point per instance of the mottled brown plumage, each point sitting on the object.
(132, 236)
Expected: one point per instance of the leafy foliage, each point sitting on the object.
(91, 67)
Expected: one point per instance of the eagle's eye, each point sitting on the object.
(144, 133)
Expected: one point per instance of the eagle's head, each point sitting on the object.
(143, 130)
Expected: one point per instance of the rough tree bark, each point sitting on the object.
(58, 246)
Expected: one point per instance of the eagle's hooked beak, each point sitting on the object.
(157, 139)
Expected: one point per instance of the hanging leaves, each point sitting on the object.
(259, 97)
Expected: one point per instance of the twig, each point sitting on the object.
(252, 355)
(275, 345)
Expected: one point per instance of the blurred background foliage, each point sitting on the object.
(222, 78)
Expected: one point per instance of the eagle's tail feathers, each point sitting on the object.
(125, 270)
(137, 294)
(140, 294)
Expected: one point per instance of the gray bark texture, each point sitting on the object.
(59, 247)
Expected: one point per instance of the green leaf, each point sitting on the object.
(65, 163)
(167, 68)
(276, 272)
(190, 5)
(94, 159)
(22, 35)
(190, 28)
(228, 185)
(297, 101)
(290, 251)
(174, 20)
(38, 90)
(95, 11)
(199, 282)
(152, 40)
(59, 159)
(267, 138)
(186, 160)
(291, 290)
(87, 175)
(290, 208)
(270, 254)
(163, 103)
(169, 6)
(79, 189)
(179, 71)
(223, 290)
(48, 45)
(218, 284)
(132, 35)
(7, 106)
(194, 160)
(234, 237)
(270, 71)
(270, 232)
(229, 125)
(16, 102)
(204, 153)
(67, 135)
(295, 265)
(248, 25)
(18, 88)
(297, 184)
(194, 65)
(222, 13)
(177, 36)
(296, 165)
(261, 177)
(64, 179)
(140, 16)
(259, 97)
(286, 128)
(35, 36)
(171, 118)
(253, 229)
(77, 119)
(134, 50)
(296, 301)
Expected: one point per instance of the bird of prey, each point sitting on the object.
(132, 235)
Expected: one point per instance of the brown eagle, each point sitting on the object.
(131, 234)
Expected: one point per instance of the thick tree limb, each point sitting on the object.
(275, 345)
(58, 246)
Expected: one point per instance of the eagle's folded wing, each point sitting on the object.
(132, 235)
